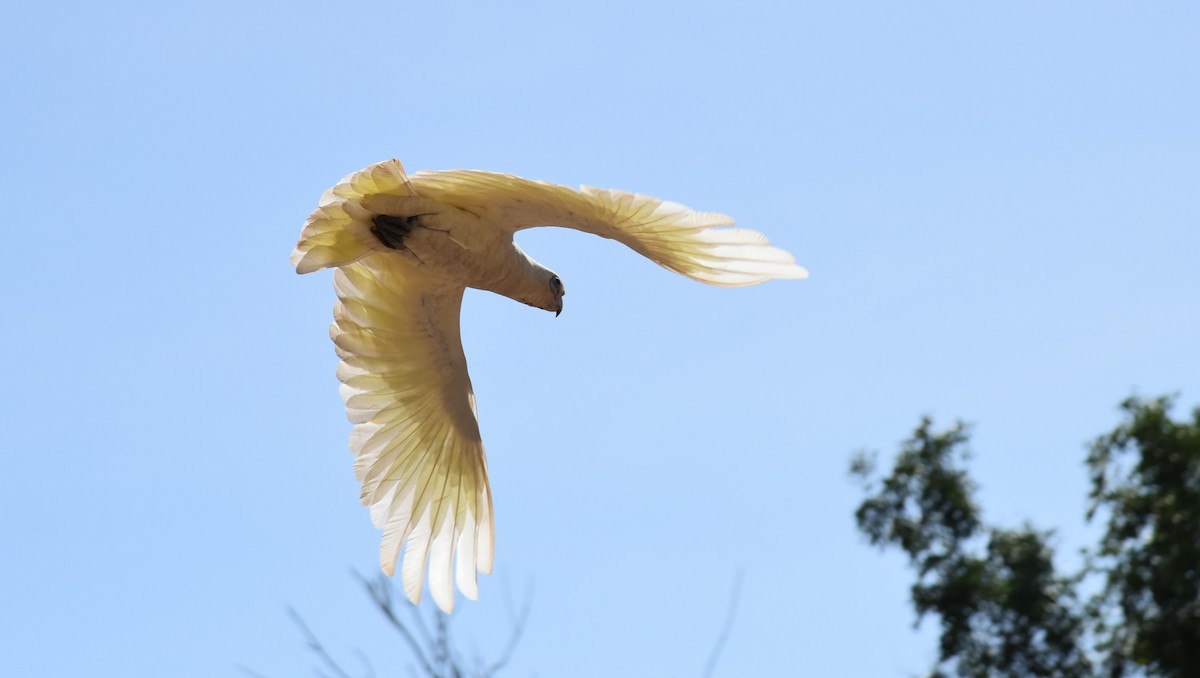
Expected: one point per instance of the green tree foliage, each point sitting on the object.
(1005, 610)
(1146, 478)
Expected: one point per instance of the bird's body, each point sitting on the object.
(453, 244)
(405, 248)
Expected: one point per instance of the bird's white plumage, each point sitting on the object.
(418, 452)
(678, 238)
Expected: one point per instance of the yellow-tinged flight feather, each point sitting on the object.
(418, 450)
(675, 237)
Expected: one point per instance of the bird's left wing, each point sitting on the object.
(416, 439)
(678, 238)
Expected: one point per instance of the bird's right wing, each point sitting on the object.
(673, 236)
(416, 439)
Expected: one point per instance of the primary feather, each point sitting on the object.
(675, 237)
(418, 451)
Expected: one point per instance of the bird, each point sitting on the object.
(404, 249)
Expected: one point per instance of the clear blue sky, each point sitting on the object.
(998, 206)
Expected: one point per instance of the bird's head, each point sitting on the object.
(544, 291)
(557, 292)
(533, 284)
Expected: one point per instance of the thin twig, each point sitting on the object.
(448, 656)
(315, 645)
(422, 628)
(443, 642)
(518, 629)
(366, 662)
(438, 656)
(727, 627)
(381, 593)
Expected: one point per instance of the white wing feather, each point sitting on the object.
(416, 439)
(675, 237)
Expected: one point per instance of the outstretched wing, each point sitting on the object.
(416, 439)
(675, 237)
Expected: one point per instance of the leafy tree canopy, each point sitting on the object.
(1005, 610)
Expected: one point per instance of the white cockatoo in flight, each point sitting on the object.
(404, 249)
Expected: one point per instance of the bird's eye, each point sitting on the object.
(556, 284)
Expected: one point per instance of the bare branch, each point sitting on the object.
(315, 645)
(515, 636)
(250, 672)
(437, 655)
(381, 592)
(419, 621)
(730, 613)
(366, 662)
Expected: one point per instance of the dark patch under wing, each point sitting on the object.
(393, 231)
